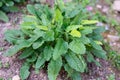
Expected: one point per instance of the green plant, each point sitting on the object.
(56, 37)
(1, 64)
(111, 77)
(8, 6)
(113, 56)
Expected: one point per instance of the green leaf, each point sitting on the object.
(86, 31)
(26, 53)
(48, 51)
(30, 18)
(42, 27)
(73, 27)
(49, 36)
(40, 61)
(12, 36)
(88, 22)
(1, 4)
(3, 16)
(84, 40)
(77, 47)
(28, 25)
(76, 76)
(45, 21)
(24, 71)
(68, 69)
(31, 9)
(75, 33)
(53, 68)
(38, 44)
(90, 57)
(60, 48)
(32, 58)
(58, 16)
(99, 53)
(9, 3)
(96, 46)
(17, 48)
(75, 61)
(13, 9)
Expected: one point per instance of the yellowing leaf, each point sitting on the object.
(42, 27)
(75, 33)
(71, 27)
(58, 16)
(85, 22)
(98, 42)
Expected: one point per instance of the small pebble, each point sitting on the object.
(16, 77)
(99, 6)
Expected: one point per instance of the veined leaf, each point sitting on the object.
(53, 68)
(49, 36)
(12, 36)
(98, 42)
(60, 48)
(40, 61)
(24, 71)
(75, 33)
(3, 16)
(87, 22)
(28, 25)
(58, 16)
(84, 40)
(26, 53)
(45, 21)
(1, 4)
(68, 69)
(42, 27)
(48, 51)
(96, 46)
(73, 27)
(32, 58)
(77, 47)
(17, 48)
(76, 76)
(75, 62)
(37, 44)
(71, 73)
(30, 18)
(99, 53)
(86, 31)
(31, 9)
(90, 57)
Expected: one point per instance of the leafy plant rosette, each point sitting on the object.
(8, 6)
(59, 37)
